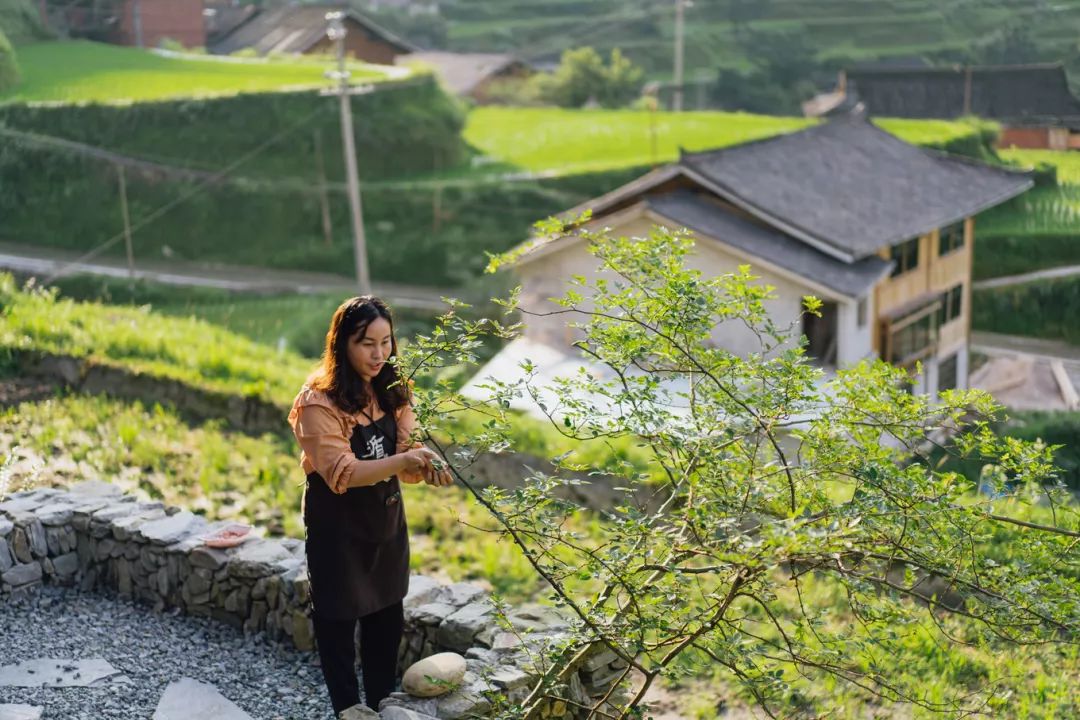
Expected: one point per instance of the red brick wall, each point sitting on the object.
(180, 20)
(1025, 138)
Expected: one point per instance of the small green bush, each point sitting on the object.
(9, 66)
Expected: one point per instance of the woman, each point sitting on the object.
(354, 423)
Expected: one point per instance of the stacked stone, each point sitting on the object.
(95, 537)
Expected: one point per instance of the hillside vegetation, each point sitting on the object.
(833, 30)
(20, 21)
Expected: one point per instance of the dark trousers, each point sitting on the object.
(380, 636)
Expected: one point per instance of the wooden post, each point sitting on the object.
(324, 199)
(967, 90)
(127, 223)
(436, 210)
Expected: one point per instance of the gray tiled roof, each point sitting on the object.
(295, 29)
(1016, 94)
(696, 212)
(850, 188)
(462, 72)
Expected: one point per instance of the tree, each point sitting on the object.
(785, 65)
(773, 488)
(1012, 45)
(9, 66)
(582, 77)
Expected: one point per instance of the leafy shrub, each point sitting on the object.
(582, 77)
(9, 67)
(21, 22)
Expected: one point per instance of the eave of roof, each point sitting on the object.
(262, 23)
(769, 246)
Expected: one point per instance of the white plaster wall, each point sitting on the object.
(855, 343)
(548, 276)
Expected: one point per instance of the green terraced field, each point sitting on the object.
(94, 72)
(575, 141)
(1067, 163)
(837, 29)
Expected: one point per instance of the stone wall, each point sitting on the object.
(93, 537)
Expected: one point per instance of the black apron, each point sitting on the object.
(358, 542)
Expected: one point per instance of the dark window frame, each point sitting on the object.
(952, 304)
(951, 238)
(952, 362)
(913, 336)
(905, 256)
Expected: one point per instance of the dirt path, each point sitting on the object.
(1048, 274)
(235, 278)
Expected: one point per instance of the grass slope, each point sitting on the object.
(186, 349)
(573, 141)
(94, 72)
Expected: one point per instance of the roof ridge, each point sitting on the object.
(956, 68)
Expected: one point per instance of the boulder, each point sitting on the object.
(22, 574)
(396, 712)
(358, 712)
(460, 629)
(434, 676)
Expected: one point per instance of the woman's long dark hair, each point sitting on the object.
(336, 376)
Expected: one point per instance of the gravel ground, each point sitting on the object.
(152, 650)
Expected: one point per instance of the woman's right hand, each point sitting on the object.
(418, 461)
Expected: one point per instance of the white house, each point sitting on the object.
(880, 230)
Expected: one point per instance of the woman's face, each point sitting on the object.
(369, 348)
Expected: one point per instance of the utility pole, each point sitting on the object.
(336, 32)
(136, 21)
(680, 33)
(127, 224)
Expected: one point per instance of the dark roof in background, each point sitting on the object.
(696, 212)
(849, 188)
(295, 29)
(1018, 94)
(462, 72)
(225, 18)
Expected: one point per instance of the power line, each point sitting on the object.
(290, 184)
(184, 197)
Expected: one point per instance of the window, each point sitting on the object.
(951, 238)
(952, 304)
(947, 373)
(914, 339)
(905, 256)
(910, 337)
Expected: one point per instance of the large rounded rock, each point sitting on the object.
(434, 675)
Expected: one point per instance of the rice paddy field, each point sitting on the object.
(1040, 229)
(559, 141)
(83, 71)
